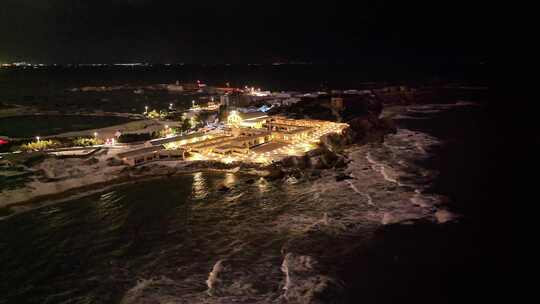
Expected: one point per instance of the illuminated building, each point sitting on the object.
(149, 154)
(336, 103)
(247, 120)
(224, 100)
(252, 136)
(211, 106)
(179, 139)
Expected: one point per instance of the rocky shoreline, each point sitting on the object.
(78, 176)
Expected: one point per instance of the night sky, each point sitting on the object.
(92, 31)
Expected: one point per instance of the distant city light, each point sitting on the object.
(128, 64)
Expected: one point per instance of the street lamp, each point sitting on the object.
(145, 109)
(37, 138)
(170, 106)
(95, 134)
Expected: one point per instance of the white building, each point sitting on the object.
(290, 101)
(224, 100)
(281, 94)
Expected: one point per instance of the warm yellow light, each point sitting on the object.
(228, 160)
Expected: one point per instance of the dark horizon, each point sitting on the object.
(74, 32)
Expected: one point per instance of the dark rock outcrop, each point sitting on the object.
(342, 176)
(370, 129)
(113, 161)
(362, 106)
(305, 282)
(294, 161)
(224, 188)
(274, 172)
(91, 161)
(320, 158)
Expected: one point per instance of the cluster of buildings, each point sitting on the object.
(245, 134)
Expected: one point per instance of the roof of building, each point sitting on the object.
(299, 130)
(254, 120)
(249, 137)
(209, 141)
(252, 115)
(229, 147)
(277, 124)
(209, 144)
(176, 138)
(298, 122)
(136, 152)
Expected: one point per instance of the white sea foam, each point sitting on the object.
(466, 103)
(213, 277)
(325, 220)
(303, 283)
(353, 187)
(421, 200)
(444, 216)
(408, 117)
(436, 108)
(420, 148)
(366, 195)
(145, 291)
(234, 197)
(384, 171)
(291, 180)
(369, 199)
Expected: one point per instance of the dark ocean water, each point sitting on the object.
(47, 86)
(273, 77)
(463, 262)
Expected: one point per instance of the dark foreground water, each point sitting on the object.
(410, 227)
(94, 249)
(469, 261)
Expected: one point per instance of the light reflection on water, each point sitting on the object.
(230, 180)
(74, 243)
(263, 185)
(199, 187)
